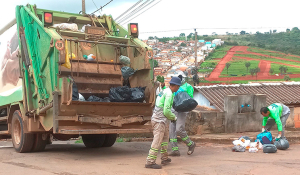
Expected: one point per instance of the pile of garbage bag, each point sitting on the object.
(127, 72)
(98, 99)
(244, 143)
(184, 103)
(269, 148)
(264, 137)
(67, 26)
(124, 60)
(126, 94)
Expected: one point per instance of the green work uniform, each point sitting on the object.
(275, 113)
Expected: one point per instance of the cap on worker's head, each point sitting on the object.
(175, 81)
(180, 76)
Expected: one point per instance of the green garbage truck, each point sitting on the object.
(48, 56)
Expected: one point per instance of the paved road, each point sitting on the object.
(129, 158)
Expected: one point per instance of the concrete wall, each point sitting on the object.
(201, 100)
(239, 119)
(203, 122)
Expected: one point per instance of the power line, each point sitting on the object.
(240, 28)
(134, 11)
(129, 9)
(102, 6)
(142, 12)
(96, 7)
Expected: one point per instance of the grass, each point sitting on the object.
(274, 54)
(268, 58)
(238, 68)
(79, 141)
(293, 70)
(208, 66)
(219, 52)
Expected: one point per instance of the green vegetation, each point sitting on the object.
(237, 68)
(79, 141)
(286, 42)
(219, 52)
(120, 139)
(290, 69)
(160, 79)
(208, 66)
(272, 53)
(155, 63)
(267, 58)
(246, 81)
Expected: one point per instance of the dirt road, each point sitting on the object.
(129, 158)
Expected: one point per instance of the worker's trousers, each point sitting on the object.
(271, 122)
(160, 141)
(178, 129)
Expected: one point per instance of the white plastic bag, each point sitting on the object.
(67, 26)
(253, 150)
(253, 145)
(260, 146)
(246, 144)
(237, 143)
(83, 28)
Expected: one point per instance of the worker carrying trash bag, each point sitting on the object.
(275, 113)
(160, 124)
(178, 127)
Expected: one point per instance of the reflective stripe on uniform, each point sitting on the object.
(152, 156)
(190, 143)
(154, 150)
(164, 144)
(173, 140)
(174, 148)
(184, 139)
(163, 151)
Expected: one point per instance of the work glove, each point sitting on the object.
(175, 119)
(278, 137)
(263, 130)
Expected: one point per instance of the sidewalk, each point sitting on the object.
(227, 138)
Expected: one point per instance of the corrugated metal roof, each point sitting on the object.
(286, 93)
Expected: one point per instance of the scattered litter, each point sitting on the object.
(89, 57)
(67, 26)
(75, 94)
(81, 98)
(94, 98)
(264, 137)
(184, 103)
(238, 148)
(253, 150)
(124, 60)
(282, 144)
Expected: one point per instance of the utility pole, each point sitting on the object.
(83, 7)
(195, 49)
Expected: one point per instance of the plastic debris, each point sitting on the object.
(81, 98)
(83, 28)
(138, 94)
(238, 148)
(89, 57)
(94, 98)
(253, 150)
(120, 94)
(264, 137)
(124, 60)
(237, 142)
(75, 94)
(67, 26)
(184, 103)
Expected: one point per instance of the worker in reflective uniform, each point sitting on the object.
(275, 113)
(160, 124)
(177, 128)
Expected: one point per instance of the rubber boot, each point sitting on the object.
(166, 162)
(153, 166)
(191, 149)
(174, 153)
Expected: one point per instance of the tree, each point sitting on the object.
(287, 78)
(243, 32)
(155, 63)
(271, 71)
(285, 69)
(183, 45)
(150, 37)
(288, 30)
(160, 79)
(247, 64)
(295, 29)
(182, 35)
(274, 31)
(281, 68)
(252, 72)
(227, 67)
(257, 70)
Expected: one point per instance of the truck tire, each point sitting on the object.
(110, 140)
(22, 142)
(40, 142)
(93, 140)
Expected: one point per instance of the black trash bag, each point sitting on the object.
(120, 94)
(269, 148)
(184, 103)
(75, 93)
(127, 72)
(282, 144)
(94, 98)
(106, 99)
(138, 94)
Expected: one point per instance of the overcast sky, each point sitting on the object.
(248, 15)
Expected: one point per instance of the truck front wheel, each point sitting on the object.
(93, 140)
(22, 141)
